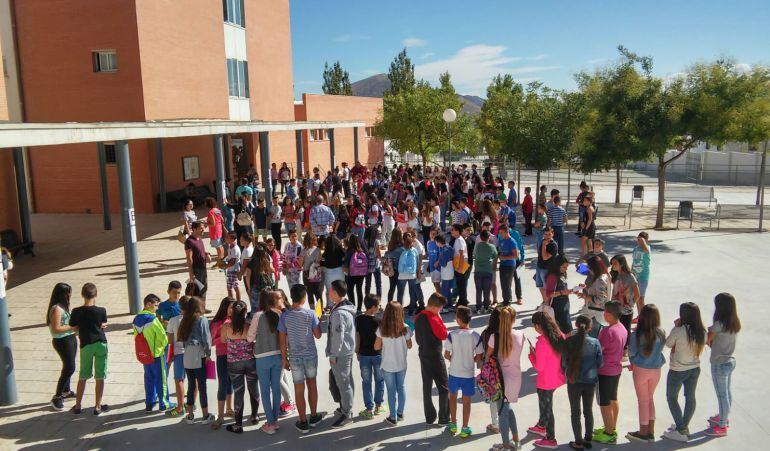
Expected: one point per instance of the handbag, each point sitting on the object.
(181, 236)
(459, 264)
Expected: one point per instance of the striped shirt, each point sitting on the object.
(557, 215)
(298, 325)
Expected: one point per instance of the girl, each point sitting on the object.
(225, 388)
(372, 244)
(426, 218)
(64, 340)
(541, 221)
(557, 290)
(356, 267)
(489, 214)
(216, 225)
(506, 347)
(589, 224)
(291, 253)
(686, 340)
(358, 218)
(492, 330)
(275, 259)
(240, 363)
(395, 249)
(546, 360)
(625, 289)
(194, 333)
(342, 224)
(721, 338)
(394, 338)
(645, 350)
(289, 215)
(581, 361)
(310, 262)
(258, 276)
(596, 294)
(412, 215)
(408, 267)
(188, 216)
(388, 223)
(332, 259)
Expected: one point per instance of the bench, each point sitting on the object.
(690, 193)
(175, 199)
(607, 210)
(11, 241)
(733, 211)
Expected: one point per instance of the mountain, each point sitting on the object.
(377, 85)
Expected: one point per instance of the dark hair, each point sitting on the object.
(573, 347)
(621, 259)
(267, 300)
(648, 329)
(644, 235)
(550, 329)
(725, 312)
(463, 313)
(340, 287)
(88, 291)
(484, 235)
(184, 301)
(221, 314)
(60, 295)
(554, 265)
(492, 329)
(151, 299)
(238, 318)
(354, 243)
(440, 239)
(298, 293)
(371, 300)
(174, 285)
(436, 300)
(370, 236)
(396, 239)
(689, 316)
(457, 227)
(596, 266)
(193, 312)
(210, 202)
(613, 308)
(196, 225)
(247, 236)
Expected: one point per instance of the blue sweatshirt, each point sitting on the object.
(432, 250)
(635, 355)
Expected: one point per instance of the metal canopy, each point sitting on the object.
(48, 134)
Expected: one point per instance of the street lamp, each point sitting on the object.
(449, 116)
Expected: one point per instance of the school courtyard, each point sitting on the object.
(687, 265)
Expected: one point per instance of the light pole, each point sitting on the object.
(449, 116)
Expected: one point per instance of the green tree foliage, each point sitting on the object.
(336, 80)
(401, 73)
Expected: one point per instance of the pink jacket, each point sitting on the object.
(547, 362)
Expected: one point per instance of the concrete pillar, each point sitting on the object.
(300, 155)
(128, 222)
(101, 154)
(219, 169)
(355, 145)
(161, 174)
(22, 194)
(264, 159)
(331, 149)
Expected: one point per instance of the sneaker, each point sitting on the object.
(286, 410)
(189, 418)
(70, 394)
(537, 430)
(234, 429)
(715, 421)
(400, 417)
(599, 430)
(452, 428)
(342, 421)
(638, 437)
(367, 414)
(506, 446)
(268, 429)
(378, 410)
(173, 413)
(607, 439)
(314, 419)
(170, 406)
(391, 421)
(149, 409)
(675, 435)
(57, 403)
(545, 443)
(465, 432)
(716, 431)
(208, 419)
(442, 423)
(302, 426)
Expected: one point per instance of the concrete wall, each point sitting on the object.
(712, 167)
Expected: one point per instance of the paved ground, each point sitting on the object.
(687, 265)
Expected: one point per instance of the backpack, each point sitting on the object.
(142, 349)
(489, 380)
(314, 274)
(387, 267)
(359, 264)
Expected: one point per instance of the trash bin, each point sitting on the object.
(685, 209)
(638, 192)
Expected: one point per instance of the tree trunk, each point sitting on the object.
(424, 162)
(518, 167)
(761, 181)
(537, 188)
(569, 186)
(661, 192)
(617, 184)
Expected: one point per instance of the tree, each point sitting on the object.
(401, 73)
(504, 99)
(336, 80)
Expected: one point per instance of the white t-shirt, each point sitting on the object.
(436, 215)
(173, 328)
(683, 356)
(448, 271)
(247, 253)
(394, 351)
(234, 253)
(465, 345)
(461, 245)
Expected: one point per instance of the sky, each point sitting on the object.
(545, 40)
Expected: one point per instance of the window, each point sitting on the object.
(237, 78)
(319, 134)
(109, 154)
(234, 12)
(369, 131)
(105, 60)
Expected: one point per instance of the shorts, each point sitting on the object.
(216, 244)
(643, 287)
(232, 279)
(303, 368)
(435, 276)
(179, 367)
(540, 275)
(608, 389)
(465, 384)
(92, 356)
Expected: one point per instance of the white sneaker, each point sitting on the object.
(208, 419)
(189, 418)
(676, 436)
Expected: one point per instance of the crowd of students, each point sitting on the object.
(408, 224)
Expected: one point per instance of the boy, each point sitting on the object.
(432, 250)
(232, 265)
(368, 358)
(526, 210)
(463, 349)
(447, 272)
(91, 322)
(430, 332)
(178, 349)
(461, 254)
(170, 307)
(260, 220)
(275, 215)
(340, 347)
(155, 385)
(484, 255)
(612, 339)
(297, 328)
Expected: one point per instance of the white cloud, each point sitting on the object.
(414, 42)
(473, 67)
(351, 37)
(742, 68)
(596, 61)
(427, 55)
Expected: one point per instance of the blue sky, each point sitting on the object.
(532, 40)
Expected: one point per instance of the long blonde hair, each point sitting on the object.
(392, 324)
(505, 344)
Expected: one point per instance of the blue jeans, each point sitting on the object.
(674, 382)
(722, 375)
(483, 283)
(558, 236)
(413, 296)
(538, 238)
(395, 384)
(446, 290)
(370, 367)
(269, 377)
(377, 275)
(507, 421)
(224, 387)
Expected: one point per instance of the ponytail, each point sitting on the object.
(574, 347)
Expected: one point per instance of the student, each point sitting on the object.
(369, 358)
(224, 387)
(232, 266)
(172, 331)
(90, 322)
(596, 293)
(64, 340)
(463, 349)
(557, 292)
(613, 339)
(446, 270)
(332, 261)
(645, 351)
(170, 307)
(291, 254)
(258, 276)
(641, 266)
(546, 251)
(432, 251)
(526, 210)
(588, 219)
(484, 255)
(408, 270)
(340, 347)
(150, 327)
(356, 266)
(312, 275)
(275, 217)
(721, 338)
(372, 246)
(430, 332)
(541, 222)
(194, 333)
(241, 366)
(260, 220)
(686, 340)
(511, 254)
(557, 220)
(546, 360)
(506, 347)
(580, 361)
(297, 329)
(460, 247)
(625, 290)
(492, 330)
(394, 339)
